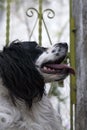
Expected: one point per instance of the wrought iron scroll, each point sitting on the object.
(50, 14)
(30, 13)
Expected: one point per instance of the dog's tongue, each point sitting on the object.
(62, 66)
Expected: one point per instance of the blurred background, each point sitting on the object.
(21, 27)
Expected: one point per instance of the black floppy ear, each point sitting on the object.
(20, 76)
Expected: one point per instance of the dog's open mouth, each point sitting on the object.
(57, 68)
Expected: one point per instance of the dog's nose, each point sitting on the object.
(60, 48)
(65, 44)
(62, 45)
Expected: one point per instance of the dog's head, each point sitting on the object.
(25, 67)
(48, 61)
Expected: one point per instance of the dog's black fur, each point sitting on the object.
(19, 74)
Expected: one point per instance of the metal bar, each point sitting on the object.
(73, 64)
(40, 22)
(8, 22)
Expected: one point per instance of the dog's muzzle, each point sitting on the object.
(55, 66)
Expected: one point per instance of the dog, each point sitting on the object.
(25, 67)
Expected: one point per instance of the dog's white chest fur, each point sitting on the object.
(40, 117)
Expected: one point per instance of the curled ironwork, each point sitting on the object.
(50, 13)
(30, 12)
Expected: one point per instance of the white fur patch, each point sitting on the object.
(40, 117)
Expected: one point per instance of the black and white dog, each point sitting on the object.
(24, 69)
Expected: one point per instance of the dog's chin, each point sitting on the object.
(53, 77)
(55, 72)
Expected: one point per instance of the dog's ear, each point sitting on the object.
(19, 74)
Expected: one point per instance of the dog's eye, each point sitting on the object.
(53, 51)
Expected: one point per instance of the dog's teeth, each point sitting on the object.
(48, 69)
(45, 68)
